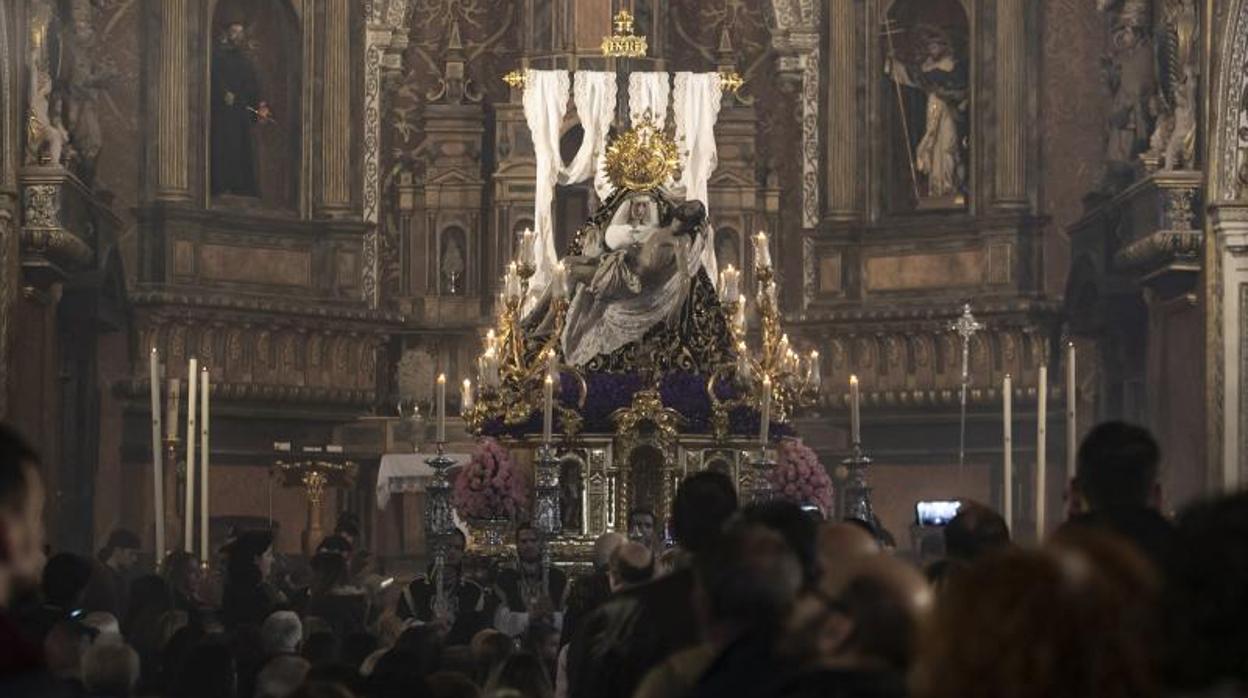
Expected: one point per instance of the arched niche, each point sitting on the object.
(254, 159)
(572, 482)
(452, 268)
(926, 64)
(727, 247)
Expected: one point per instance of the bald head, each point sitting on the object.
(840, 543)
(876, 606)
(605, 545)
(631, 563)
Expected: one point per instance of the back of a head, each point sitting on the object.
(103, 624)
(490, 648)
(631, 564)
(110, 669)
(704, 501)
(751, 577)
(1117, 467)
(885, 598)
(1032, 624)
(398, 674)
(64, 647)
(606, 544)
(524, 672)
(209, 671)
(281, 633)
(1205, 599)
(974, 531)
(322, 689)
(798, 530)
(329, 569)
(281, 676)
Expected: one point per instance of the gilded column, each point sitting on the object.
(336, 126)
(173, 104)
(843, 171)
(1011, 83)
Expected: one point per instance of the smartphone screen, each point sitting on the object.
(936, 512)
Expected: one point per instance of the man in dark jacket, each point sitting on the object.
(641, 626)
(1115, 487)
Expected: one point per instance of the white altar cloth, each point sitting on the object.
(407, 472)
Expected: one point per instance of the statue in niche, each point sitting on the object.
(236, 106)
(452, 264)
(571, 489)
(1129, 70)
(926, 70)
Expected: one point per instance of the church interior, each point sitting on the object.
(433, 267)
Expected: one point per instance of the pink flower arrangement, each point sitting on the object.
(799, 477)
(490, 486)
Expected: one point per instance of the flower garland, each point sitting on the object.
(490, 486)
(799, 477)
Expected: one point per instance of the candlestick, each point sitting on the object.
(764, 422)
(855, 418)
(173, 408)
(1042, 413)
(158, 465)
(1007, 466)
(203, 467)
(191, 437)
(1072, 426)
(548, 408)
(441, 435)
(762, 253)
(465, 399)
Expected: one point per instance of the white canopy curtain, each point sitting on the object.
(695, 111)
(648, 92)
(545, 103)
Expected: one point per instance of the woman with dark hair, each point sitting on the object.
(522, 672)
(332, 598)
(249, 598)
(182, 573)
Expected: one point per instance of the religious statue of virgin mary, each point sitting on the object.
(640, 298)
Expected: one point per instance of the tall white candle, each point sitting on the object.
(1007, 465)
(527, 255)
(1072, 426)
(762, 253)
(173, 408)
(764, 421)
(466, 397)
(815, 377)
(743, 361)
(855, 418)
(158, 465)
(441, 437)
(192, 433)
(548, 408)
(1042, 414)
(203, 466)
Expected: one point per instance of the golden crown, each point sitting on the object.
(642, 157)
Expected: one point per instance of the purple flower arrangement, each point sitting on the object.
(798, 476)
(683, 391)
(490, 486)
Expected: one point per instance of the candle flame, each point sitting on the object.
(467, 384)
(441, 379)
(853, 380)
(549, 380)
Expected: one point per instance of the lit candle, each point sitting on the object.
(203, 467)
(1072, 426)
(762, 253)
(731, 285)
(743, 361)
(855, 419)
(441, 408)
(815, 375)
(191, 437)
(738, 320)
(559, 282)
(466, 398)
(1042, 413)
(548, 408)
(158, 467)
(490, 340)
(173, 408)
(1007, 467)
(526, 247)
(511, 283)
(764, 421)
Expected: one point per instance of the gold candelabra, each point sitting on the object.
(512, 370)
(773, 378)
(314, 474)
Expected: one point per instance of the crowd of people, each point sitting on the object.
(758, 599)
